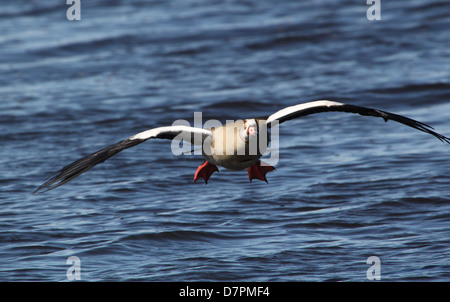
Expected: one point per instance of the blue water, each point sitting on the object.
(346, 187)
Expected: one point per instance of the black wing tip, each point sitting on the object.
(47, 184)
(441, 137)
(38, 190)
(83, 164)
(445, 139)
(430, 130)
(59, 176)
(409, 122)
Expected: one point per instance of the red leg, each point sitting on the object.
(258, 171)
(205, 170)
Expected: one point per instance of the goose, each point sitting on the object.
(234, 146)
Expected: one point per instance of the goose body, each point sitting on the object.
(231, 147)
(234, 146)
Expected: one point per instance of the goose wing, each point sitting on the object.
(304, 109)
(194, 135)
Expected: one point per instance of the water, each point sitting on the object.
(346, 187)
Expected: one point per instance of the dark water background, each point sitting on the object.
(346, 187)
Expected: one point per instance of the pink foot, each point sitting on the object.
(259, 172)
(205, 170)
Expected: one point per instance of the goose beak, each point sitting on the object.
(251, 131)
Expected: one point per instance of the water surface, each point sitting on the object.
(346, 187)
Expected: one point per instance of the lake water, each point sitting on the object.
(346, 187)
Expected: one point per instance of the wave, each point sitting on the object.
(179, 235)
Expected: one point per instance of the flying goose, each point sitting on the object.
(229, 146)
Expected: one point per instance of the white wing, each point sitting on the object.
(300, 110)
(194, 135)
